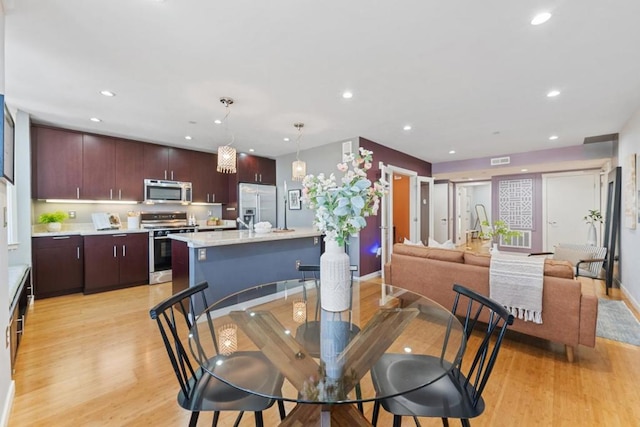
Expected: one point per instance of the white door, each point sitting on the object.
(567, 198)
(441, 212)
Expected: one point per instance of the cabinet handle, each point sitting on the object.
(213, 197)
(78, 252)
(260, 177)
(20, 329)
(207, 197)
(255, 176)
(124, 251)
(77, 192)
(171, 175)
(61, 237)
(120, 194)
(111, 193)
(114, 251)
(119, 235)
(165, 174)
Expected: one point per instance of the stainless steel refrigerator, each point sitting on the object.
(257, 203)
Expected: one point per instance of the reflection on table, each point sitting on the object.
(324, 356)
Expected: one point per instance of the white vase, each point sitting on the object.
(591, 235)
(494, 249)
(54, 226)
(335, 278)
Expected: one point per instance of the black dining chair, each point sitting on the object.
(199, 390)
(454, 395)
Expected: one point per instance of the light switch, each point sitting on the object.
(202, 254)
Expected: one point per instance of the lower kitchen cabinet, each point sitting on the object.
(115, 261)
(19, 316)
(57, 265)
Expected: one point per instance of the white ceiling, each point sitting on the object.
(471, 76)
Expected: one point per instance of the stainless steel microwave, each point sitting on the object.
(162, 191)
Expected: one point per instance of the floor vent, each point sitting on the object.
(497, 161)
(522, 241)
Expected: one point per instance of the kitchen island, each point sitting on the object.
(232, 261)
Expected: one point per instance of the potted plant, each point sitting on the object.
(53, 220)
(498, 230)
(591, 218)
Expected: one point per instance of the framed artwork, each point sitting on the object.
(630, 192)
(295, 200)
(7, 146)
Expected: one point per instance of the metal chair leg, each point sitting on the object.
(397, 421)
(193, 421)
(445, 422)
(259, 420)
(237, 423)
(374, 416)
(465, 422)
(216, 416)
(283, 414)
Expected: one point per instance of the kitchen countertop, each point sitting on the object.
(87, 229)
(237, 237)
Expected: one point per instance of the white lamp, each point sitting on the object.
(226, 153)
(298, 167)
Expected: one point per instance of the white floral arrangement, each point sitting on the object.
(340, 211)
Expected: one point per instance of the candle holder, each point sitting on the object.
(299, 311)
(228, 339)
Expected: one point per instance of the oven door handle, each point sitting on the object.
(160, 237)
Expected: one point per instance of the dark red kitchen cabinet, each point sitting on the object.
(115, 261)
(58, 163)
(156, 161)
(129, 170)
(209, 185)
(255, 169)
(98, 168)
(57, 265)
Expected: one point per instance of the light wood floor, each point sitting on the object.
(98, 360)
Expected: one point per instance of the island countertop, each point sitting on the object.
(237, 237)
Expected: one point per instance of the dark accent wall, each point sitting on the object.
(370, 235)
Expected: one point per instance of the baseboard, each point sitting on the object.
(8, 404)
(627, 295)
(370, 276)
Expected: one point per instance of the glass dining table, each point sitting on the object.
(324, 357)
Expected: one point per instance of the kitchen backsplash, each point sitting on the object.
(84, 210)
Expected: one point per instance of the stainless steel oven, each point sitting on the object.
(161, 225)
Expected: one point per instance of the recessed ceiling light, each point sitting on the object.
(251, 150)
(553, 93)
(107, 93)
(553, 137)
(286, 139)
(407, 127)
(540, 18)
(347, 94)
(469, 179)
(188, 138)
(217, 121)
(452, 151)
(95, 119)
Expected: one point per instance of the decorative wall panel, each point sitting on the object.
(515, 203)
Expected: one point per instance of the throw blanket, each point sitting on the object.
(516, 283)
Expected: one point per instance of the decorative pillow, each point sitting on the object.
(446, 245)
(571, 255)
(409, 242)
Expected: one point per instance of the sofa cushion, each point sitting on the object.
(472, 258)
(449, 255)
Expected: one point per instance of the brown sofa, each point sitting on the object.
(569, 306)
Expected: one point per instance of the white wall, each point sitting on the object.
(630, 239)
(22, 254)
(6, 384)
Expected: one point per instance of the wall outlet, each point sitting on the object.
(72, 214)
(202, 254)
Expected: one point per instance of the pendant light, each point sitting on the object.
(298, 167)
(226, 153)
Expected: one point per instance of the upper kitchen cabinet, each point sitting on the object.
(169, 163)
(57, 156)
(256, 169)
(209, 185)
(130, 170)
(98, 168)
